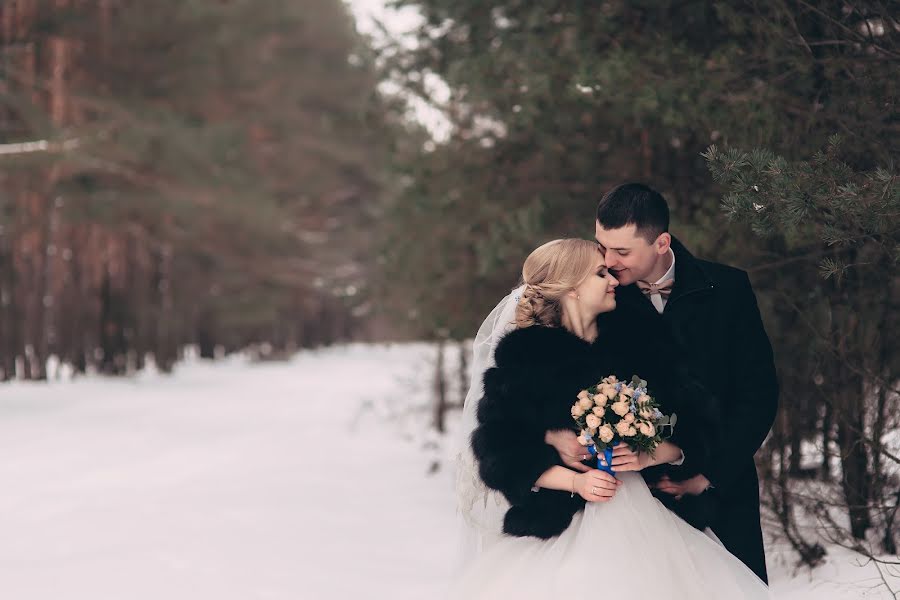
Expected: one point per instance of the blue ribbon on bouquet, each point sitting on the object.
(607, 455)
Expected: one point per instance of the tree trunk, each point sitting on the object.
(796, 460)
(855, 476)
(463, 372)
(440, 388)
(827, 429)
(112, 330)
(206, 335)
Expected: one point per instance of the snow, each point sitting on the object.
(304, 479)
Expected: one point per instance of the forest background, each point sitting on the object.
(259, 175)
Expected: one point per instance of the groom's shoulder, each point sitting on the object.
(725, 277)
(719, 272)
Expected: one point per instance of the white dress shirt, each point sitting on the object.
(659, 303)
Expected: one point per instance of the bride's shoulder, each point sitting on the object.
(537, 345)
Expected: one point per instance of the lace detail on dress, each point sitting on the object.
(480, 506)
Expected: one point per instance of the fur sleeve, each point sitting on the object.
(531, 390)
(511, 459)
(509, 440)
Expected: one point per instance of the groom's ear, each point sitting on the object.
(663, 242)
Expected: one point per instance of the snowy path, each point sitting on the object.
(222, 482)
(232, 481)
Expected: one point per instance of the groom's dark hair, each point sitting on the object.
(634, 204)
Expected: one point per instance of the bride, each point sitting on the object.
(544, 528)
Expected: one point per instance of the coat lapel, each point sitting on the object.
(633, 300)
(690, 278)
(687, 303)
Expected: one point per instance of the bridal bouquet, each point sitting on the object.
(614, 412)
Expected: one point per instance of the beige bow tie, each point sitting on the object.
(663, 289)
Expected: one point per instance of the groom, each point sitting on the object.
(706, 315)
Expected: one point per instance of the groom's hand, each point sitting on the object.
(570, 451)
(694, 486)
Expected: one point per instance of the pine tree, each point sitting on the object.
(181, 172)
(845, 220)
(553, 103)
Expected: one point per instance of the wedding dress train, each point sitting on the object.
(630, 547)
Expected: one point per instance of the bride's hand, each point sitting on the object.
(626, 459)
(596, 486)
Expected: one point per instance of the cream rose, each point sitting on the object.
(599, 411)
(620, 408)
(622, 427)
(629, 418)
(593, 421)
(646, 413)
(600, 400)
(582, 439)
(606, 434)
(644, 399)
(627, 391)
(647, 429)
(610, 392)
(582, 394)
(577, 411)
(631, 432)
(586, 403)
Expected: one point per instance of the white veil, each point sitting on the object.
(480, 508)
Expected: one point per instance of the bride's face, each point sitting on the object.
(597, 293)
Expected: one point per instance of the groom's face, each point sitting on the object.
(629, 256)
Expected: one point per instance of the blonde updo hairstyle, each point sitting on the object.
(549, 273)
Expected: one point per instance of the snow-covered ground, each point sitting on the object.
(307, 479)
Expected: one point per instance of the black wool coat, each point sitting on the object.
(711, 326)
(538, 374)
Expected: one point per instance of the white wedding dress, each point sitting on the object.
(628, 547)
